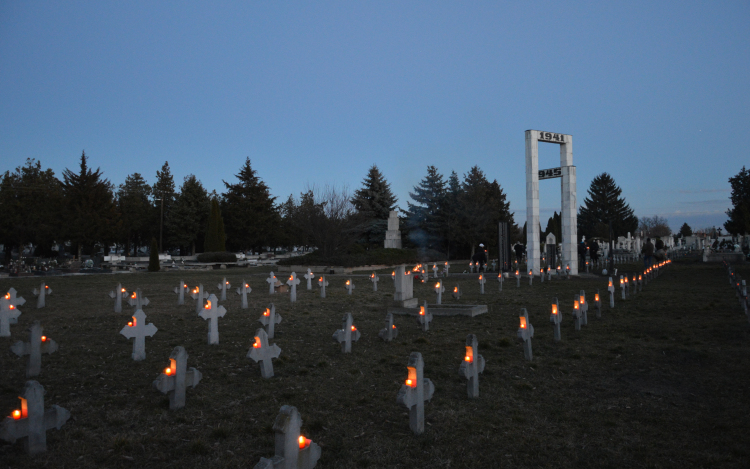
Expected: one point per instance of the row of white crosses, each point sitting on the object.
(740, 288)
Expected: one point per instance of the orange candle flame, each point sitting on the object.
(596, 297)
(168, 371)
(247, 286)
(133, 295)
(393, 326)
(7, 296)
(12, 306)
(583, 300)
(437, 285)
(256, 344)
(16, 414)
(44, 338)
(302, 442)
(410, 383)
(575, 304)
(467, 358)
(455, 290)
(554, 309)
(208, 304)
(523, 322)
(267, 312)
(480, 277)
(354, 328)
(130, 324)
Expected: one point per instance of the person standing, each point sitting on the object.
(648, 253)
(480, 258)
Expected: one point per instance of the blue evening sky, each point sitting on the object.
(654, 93)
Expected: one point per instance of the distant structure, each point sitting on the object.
(393, 235)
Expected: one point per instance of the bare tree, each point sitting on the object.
(654, 227)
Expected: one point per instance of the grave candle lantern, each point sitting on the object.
(16, 414)
(469, 358)
(44, 338)
(411, 379)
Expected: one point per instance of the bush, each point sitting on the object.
(355, 257)
(217, 257)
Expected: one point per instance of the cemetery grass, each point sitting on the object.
(659, 381)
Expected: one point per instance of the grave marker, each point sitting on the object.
(472, 365)
(374, 279)
(118, 294)
(556, 318)
(500, 280)
(434, 271)
(518, 279)
(457, 292)
(309, 276)
(391, 331)
(137, 300)
(584, 307)
(611, 290)
(263, 353)
(199, 295)
(41, 294)
(415, 391)
(576, 313)
(404, 288)
(175, 379)
(293, 282)
(446, 269)
(181, 290)
(212, 312)
(349, 285)
(322, 283)
(243, 291)
(525, 333)
(138, 329)
(531, 277)
(439, 289)
(271, 280)
(622, 287)
(424, 318)
(34, 348)
(223, 288)
(541, 274)
(269, 318)
(9, 311)
(292, 451)
(347, 334)
(482, 281)
(598, 304)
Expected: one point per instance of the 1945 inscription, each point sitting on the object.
(551, 137)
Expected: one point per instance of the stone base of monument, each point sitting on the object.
(408, 304)
(442, 310)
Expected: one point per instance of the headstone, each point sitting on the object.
(482, 281)
(176, 378)
(556, 318)
(374, 279)
(322, 283)
(446, 269)
(611, 290)
(243, 291)
(223, 288)
(391, 331)
(424, 318)
(269, 318)
(472, 365)
(525, 333)
(347, 334)
(423, 273)
(584, 306)
(31, 422)
(518, 279)
(457, 292)
(541, 274)
(263, 353)
(181, 290)
(212, 312)
(494, 265)
(404, 293)
(415, 391)
(349, 285)
(434, 271)
(198, 294)
(309, 276)
(41, 294)
(393, 235)
(138, 329)
(598, 304)
(439, 289)
(137, 300)
(531, 277)
(471, 267)
(622, 287)
(293, 282)
(577, 315)
(271, 280)
(500, 280)
(118, 294)
(292, 451)
(34, 348)
(9, 311)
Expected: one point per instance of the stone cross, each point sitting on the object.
(446, 269)
(525, 333)
(263, 353)
(118, 294)
(137, 300)
(423, 273)
(347, 334)
(181, 290)
(322, 283)
(434, 271)
(567, 271)
(457, 292)
(175, 379)
(41, 294)
(622, 287)
(32, 421)
(471, 267)
(541, 274)
(138, 329)
(243, 291)
(198, 294)
(415, 391)
(349, 286)
(598, 304)
(424, 318)
(212, 312)
(9, 311)
(577, 315)
(531, 277)
(500, 280)
(269, 318)
(391, 331)
(374, 279)
(293, 282)
(482, 281)
(271, 280)
(494, 265)
(393, 277)
(556, 318)
(439, 289)
(223, 289)
(635, 284)
(611, 290)
(309, 276)
(518, 279)
(584, 307)
(472, 365)
(292, 451)
(549, 273)
(34, 348)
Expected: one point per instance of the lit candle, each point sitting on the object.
(12, 306)
(523, 322)
(354, 328)
(256, 344)
(16, 414)
(302, 442)
(44, 338)
(583, 300)
(208, 304)
(554, 309)
(596, 297)
(393, 326)
(455, 290)
(409, 383)
(7, 296)
(130, 324)
(437, 285)
(575, 304)
(267, 312)
(168, 371)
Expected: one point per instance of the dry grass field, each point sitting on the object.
(661, 380)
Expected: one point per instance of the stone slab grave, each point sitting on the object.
(374, 278)
(390, 331)
(309, 276)
(243, 290)
(180, 291)
(415, 391)
(347, 334)
(137, 300)
(138, 329)
(175, 379)
(611, 290)
(482, 281)
(34, 348)
(199, 294)
(349, 285)
(577, 315)
(41, 293)
(31, 422)
(271, 281)
(439, 290)
(291, 449)
(424, 318)
(118, 294)
(222, 286)
(293, 281)
(322, 284)
(472, 365)
(211, 313)
(584, 307)
(525, 333)
(9, 311)
(269, 319)
(262, 352)
(556, 318)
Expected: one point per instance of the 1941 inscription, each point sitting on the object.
(552, 137)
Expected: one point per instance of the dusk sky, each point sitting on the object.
(655, 93)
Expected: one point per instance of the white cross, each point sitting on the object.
(223, 288)
(181, 292)
(31, 421)
(292, 450)
(434, 270)
(118, 294)
(525, 333)
(598, 304)
(482, 281)
(34, 348)
(137, 300)
(577, 315)
(622, 287)
(174, 380)
(41, 293)
(500, 280)
(349, 286)
(541, 274)
(583, 305)
(415, 391)
(531, 277)
(198, 295)
(457, 292)
(347, 334)
(271, 280)
(212, 312)
(471, 267)
(293, 282)
(243, 291)
(472, 365)
(309, 276)
(138, 329)
(263, 353)
(390, 331)
(446, 269)
(374, 279)
(424, 318)
(269, 318)
(322, 283)
(556, 318)
(518, 279)
(9, 311)
(439, 289)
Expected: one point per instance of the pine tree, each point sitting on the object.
(164, 198)
(554, 226)
(685, 230)
(135, 211)
(604, 205)
(374, 201)
(452, 213)
(739, 214)
(188, 217)
(153, 257)
(483, 206)
(424, 217)
(214, 233)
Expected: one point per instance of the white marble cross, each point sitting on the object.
(622, 287)
(598, 304)
(415, 391)
(309, 276)
(584, 307)
(525, 333)
(322, 283)
(9, 311)
(457, 292)
(269, 318)
(138, 329)
(556, 318)
(472, 365)
(41, 294)
(446, 269)
(531, 277)
(34, 348)
(137, 300)
(549, 273)
(118, 294)
(518, 279)
(390, 331)
(434, 271)
(198, 294)
(175, 379)
(212, 312)
(482, 281)
(349, 285)
(347, 334)
(500, 280)
(271, 280)
(471, 267)
(292, 451)
(577, 315)
(374, 278)
(423, 273)
(223, 289)
(611, 290)
(424, 318)
(181, 290)
(243, 291)
(293, 282)
(439, 289)
(263, 353)
(541, 274)
(32, 421)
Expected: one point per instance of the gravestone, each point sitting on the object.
(391, 331)
(518, 279)
(471, 268)
(622, 287)
(549, 273)
(446, 269)
(404, 295)
(349, 285)
(457, 292)
(577, 315)
(439, 289)
(415, 391)
(611, 290)
(9, 311)
(347, 334)
(309, 276)
(640, 282)
(41, 294)
(322, 283)
(556, 318)
(550, 247)
(500, 280)
(525, 333)
(423, 273)
(584, 306)
(212, 312)
(31, 422)
(223, 289)
(598, 304)
(472, 365)
(291, 450)
(392, 235)
(541, 274)
(263, 353)
(34, 348)
(181, 290)
(198, 294)
(243, 291)
(269, 318)
(424, 318)
(482, 281)
(531, 277)
(118, 294)
(374, 279)
(434, 271)
(293, 282)
(175, 379)
(138, 329)
(137, 300)
(271, 280)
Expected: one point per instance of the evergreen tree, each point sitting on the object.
(739, 214)
(252, 219)
(452, 213)
(685, 230)
(554, 226)
(604, 205)
(188, 217)
(215, 232)
(164, 198)
(135, 211)
(483, 206)
(374, 201)
(424, 217)
(153, 257)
